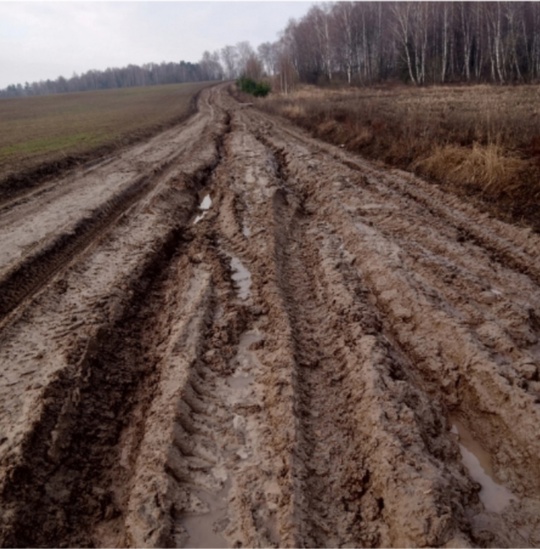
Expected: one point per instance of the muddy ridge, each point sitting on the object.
(235, 335)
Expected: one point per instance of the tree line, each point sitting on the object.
(229, 62)
(358, 43)
(363, 43)
(132, 75)
(416, 42)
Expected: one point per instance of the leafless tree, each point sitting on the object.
(267, 57)
(245, 53)
(229, 58)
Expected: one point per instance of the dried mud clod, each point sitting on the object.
(245, 337)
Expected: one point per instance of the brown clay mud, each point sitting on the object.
(236, 335)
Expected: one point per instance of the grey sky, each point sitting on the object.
(41, 40)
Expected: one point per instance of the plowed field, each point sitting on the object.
(236, 335)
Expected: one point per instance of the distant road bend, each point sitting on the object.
(237, 335)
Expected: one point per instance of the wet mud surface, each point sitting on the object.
(236, 335)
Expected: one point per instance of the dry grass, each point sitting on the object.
(39, 135)
(483, 141)
(488, 168)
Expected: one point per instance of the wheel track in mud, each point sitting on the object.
(46, 259)
(91, 396)
(283, 370)
(342, 454)
(511, 335)
(68, 454)
(33, 273)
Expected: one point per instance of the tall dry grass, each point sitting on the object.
(482, 141)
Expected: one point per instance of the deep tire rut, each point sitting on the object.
(35, 271)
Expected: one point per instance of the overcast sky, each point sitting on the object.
(41, 40)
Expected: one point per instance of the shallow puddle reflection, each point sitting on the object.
(493, 495)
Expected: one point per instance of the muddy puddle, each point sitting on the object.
(205, 530)
(244, 376)
(239, 382)
(236, 392)
(494, 496)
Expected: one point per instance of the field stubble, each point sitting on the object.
(479, 141)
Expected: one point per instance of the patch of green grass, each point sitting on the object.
(40, 130)
(47, 145)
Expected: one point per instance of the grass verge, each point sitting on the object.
(479, 141)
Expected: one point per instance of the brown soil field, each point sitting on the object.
(41, 136)
(234, 334)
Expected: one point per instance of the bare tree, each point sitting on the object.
(285, 55)
(253, 68)
(266, 54)
(496, 47)
(345, 32)
(402, 13)
(321, 23)
(245, 53)
(211, 68)
(229, 58)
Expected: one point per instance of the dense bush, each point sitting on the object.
(258, 89)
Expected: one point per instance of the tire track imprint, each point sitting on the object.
(317, 357)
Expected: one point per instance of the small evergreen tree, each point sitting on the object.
(258, 89)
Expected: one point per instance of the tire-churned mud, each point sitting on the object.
(236, 335)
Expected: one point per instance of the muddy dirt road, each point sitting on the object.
(236, 335)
